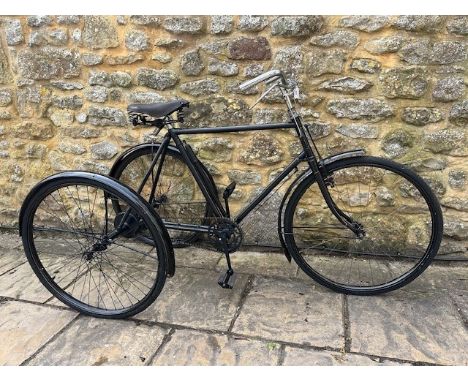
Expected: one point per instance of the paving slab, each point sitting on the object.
(261, 263)
(10, 240)
(91, 341)
(22, 283)
(412, 326)
(10, 259)
(24, 328)
(188, 347)
(291, 311)
(196, 258)
(312, 357)
(437, 277)
(194, 298)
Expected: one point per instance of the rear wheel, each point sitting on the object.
(178, 199)
(75, 244)
(401, 219)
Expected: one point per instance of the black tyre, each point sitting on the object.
(78, 249)
(178, 199)
(401, 217)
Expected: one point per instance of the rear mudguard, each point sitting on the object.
(122, 187)
(301, 178)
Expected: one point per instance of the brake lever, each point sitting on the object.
(265, 93)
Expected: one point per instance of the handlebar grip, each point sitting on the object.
(262, 77)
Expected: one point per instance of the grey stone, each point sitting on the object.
(103, 150)
(136, 40)
(348, 85)
(365, 65)
(189, 299)
(419, 23)
(151, 21)
(127, 59)
(14, 32)
(222, 68)
(252, 23)
(290, 61)
(458, 25)
(246, 48)
(5, 115)
(233, 87)
(340, 38)
(215, 47)
(261, 149)
(123, 343)
(421, 116)
(183, 24)
(121, 79)
(312, 357)
(145, 97)
(30, 130)
(320, 62)
(99, 33)
(319, 129)
(71, 148)
(39, 21)
(391, 320)
(61, 118)
(201, 87)
(269, 116)
(97, 94)
(388, 44)
(218, 111)
(458, 204)
(457, 179)
(416, 52)
(76, 35)
(91, 59)
(26, 327)
(5, 97)
(68, 20)
(311, 317)
(191, 63)
(30, 101)
(397, 142)
(459, 113)
(221, 24)
(162, 58)
(6, 76)
(358, 131)
(448, 89)
(106, 116)
(54, 37)
(215, 149)
(204, 349)
(68, 102)
(296, 25)
(169, 43)
(449, 52)
(253, 70)
(157, 79)
(49, 62)
(115, 94)
(93, 166)
(369, 109)
(244, 177)
(35, 151)
(364, 23)
(444, 141)
(81, 117)
(409, 83)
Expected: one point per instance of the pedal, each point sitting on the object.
(229, 190)
(227, 279)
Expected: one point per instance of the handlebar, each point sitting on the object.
(269, 76)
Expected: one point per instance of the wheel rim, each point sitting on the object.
(70, 246)
(396, 217)
(178, 199)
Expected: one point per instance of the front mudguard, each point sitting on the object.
(303, 177)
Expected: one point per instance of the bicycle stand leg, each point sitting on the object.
(227, 279)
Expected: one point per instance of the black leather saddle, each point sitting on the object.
(157, 110)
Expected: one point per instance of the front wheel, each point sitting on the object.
(400, 216)
(86, 254)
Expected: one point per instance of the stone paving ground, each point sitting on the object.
(274, 316)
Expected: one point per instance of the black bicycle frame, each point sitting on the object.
(306, 155)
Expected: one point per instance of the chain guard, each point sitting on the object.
(225, 227)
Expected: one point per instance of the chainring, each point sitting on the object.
(225, 228)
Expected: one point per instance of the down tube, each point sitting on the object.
(270, 187)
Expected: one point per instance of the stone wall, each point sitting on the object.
(395, 86)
